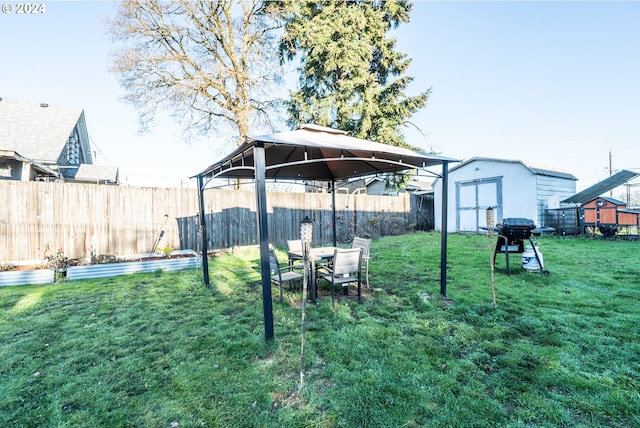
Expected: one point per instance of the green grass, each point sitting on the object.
(156, 350)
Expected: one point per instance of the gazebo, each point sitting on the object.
(311, 152)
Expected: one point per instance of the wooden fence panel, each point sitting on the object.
(565, 221)
(39, 219)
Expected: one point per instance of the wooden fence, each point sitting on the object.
(40, 219)
(566, 221)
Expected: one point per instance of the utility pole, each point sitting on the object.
(610, 172)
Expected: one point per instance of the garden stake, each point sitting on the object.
(304, 314)
(306, 231)
(493, 278)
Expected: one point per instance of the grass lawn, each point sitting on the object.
(160, 350)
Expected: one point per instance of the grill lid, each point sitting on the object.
(516, 228)
(520, 223)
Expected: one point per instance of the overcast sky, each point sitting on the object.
(552, 83)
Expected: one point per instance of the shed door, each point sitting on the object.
(472, 200)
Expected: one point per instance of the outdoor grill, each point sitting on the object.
(511, 235)
(513, 232)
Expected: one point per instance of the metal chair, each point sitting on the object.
(281, 274)
(346, 269)
(365, 244)
(295, 252)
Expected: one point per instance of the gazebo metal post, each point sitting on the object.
(333, 203)
(263, 236)
(203, 231)
(443, 234)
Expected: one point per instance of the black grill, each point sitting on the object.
(511, 235)
(515, 230)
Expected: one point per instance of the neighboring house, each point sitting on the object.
(14, 166)
(512, 188)
(42, 142)
(377, 186)
(367, 186)
(419, 184)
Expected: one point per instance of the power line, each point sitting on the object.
(93, 144)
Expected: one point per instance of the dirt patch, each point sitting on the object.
(25, 267)
(149, 258)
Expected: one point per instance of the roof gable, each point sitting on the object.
(611, 200)
(37, 131)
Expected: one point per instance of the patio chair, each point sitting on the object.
(346, 269)
(281, 274)
(295, 253)
(365, 244)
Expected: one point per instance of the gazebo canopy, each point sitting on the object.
(311, 152)
(314, 152)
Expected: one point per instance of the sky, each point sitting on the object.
(555, 84)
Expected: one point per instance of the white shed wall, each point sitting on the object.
(519, 194)
(552, 190)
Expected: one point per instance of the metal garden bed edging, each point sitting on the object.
(38, 276)
(125, 268)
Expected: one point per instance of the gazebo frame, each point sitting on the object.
(312, 153)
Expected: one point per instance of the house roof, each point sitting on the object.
(610, 200)
(96, 173)
(43, 169)
(36, 131)
(536, 169)
(609, 183)
(314, 152)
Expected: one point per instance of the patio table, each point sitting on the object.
(316, 254)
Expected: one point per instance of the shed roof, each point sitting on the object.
(609, 183)
(36, 131)
(536, 169)
(610, 200)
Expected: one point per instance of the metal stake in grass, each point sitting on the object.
(490, 225)
(306, 230)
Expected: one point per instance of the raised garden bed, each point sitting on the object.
(34, 276)
(82, 269)
(178, 260)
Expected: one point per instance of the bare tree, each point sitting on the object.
(210, 63)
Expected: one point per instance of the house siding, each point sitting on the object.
(15, 169)
(550, 191)
(376, 188)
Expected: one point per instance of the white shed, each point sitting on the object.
(511, 187)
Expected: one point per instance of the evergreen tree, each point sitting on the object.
(351, 75)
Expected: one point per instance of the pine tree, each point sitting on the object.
(351, 75)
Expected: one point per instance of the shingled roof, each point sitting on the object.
(96, 174)
(37, 131)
